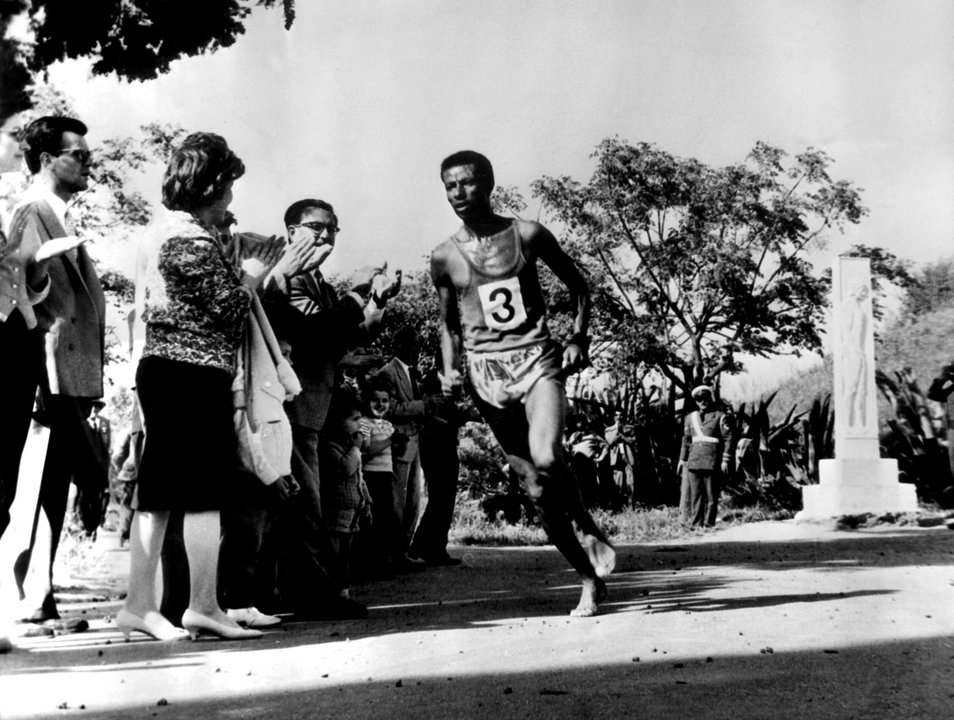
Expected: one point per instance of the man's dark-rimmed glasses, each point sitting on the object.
(319, 227)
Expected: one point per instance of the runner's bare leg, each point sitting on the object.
(550, 488)
(595, 543)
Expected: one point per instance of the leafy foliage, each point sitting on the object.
(691, 263)
(933, 288)
(137, 39)
(111, 205)
(917, 437)
(15, 77)
(133, 39)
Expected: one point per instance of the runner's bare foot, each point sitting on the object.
(594, 592)
(602, 555)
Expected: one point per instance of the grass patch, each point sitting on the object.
(642, 525)
(471, 527)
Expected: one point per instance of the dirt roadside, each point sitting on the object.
(765, 620)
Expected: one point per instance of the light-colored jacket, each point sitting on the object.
(73, 313)
(264, 380)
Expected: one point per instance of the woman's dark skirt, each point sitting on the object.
(190, 452)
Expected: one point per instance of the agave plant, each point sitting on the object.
(917, 437)
(818, 433)
(770, 457)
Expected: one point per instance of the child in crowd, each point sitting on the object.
(346, 503)
(377, 439)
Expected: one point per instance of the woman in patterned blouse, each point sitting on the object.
(194, 304)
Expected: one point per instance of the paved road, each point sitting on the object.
(771, 620)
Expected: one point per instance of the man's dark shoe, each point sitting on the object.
(73, 625)
(333, 609)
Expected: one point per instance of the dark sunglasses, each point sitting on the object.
(80, 155)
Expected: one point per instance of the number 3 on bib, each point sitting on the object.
(502, 303)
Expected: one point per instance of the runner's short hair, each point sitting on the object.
(481, 164)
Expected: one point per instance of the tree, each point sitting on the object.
(14, 76)
(934, 288)
(133, 39)
(415, 306)
(692, 264)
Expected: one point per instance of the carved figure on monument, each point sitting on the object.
(854, 331)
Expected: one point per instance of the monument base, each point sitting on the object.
(855, 487)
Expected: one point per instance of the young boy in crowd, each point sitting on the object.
(346, 503)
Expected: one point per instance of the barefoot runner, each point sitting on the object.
(492, 305)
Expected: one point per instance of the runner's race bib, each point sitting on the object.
(502, 303)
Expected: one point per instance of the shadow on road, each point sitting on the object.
(879, 681)
(497, 585)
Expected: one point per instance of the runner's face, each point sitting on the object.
(466, 191)
(380, 402)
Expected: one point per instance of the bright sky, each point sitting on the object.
(361, 100)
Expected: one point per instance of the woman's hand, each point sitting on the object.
(261, 257)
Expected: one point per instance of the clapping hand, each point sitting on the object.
(302, 255)
(363, 277)
(384, 288)
(260, 257)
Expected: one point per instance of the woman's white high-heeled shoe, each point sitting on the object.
(160, 629)
(197, 624)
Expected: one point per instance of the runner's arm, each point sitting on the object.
(545, 247)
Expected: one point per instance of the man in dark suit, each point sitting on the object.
(71, 324)
(320, 325)
(441, 466)
(410, 411)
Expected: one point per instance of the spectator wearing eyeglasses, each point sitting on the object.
(320, 326)
(57, 303)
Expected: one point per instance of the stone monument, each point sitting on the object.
(858, 480)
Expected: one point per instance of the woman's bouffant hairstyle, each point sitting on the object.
(199, 172)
